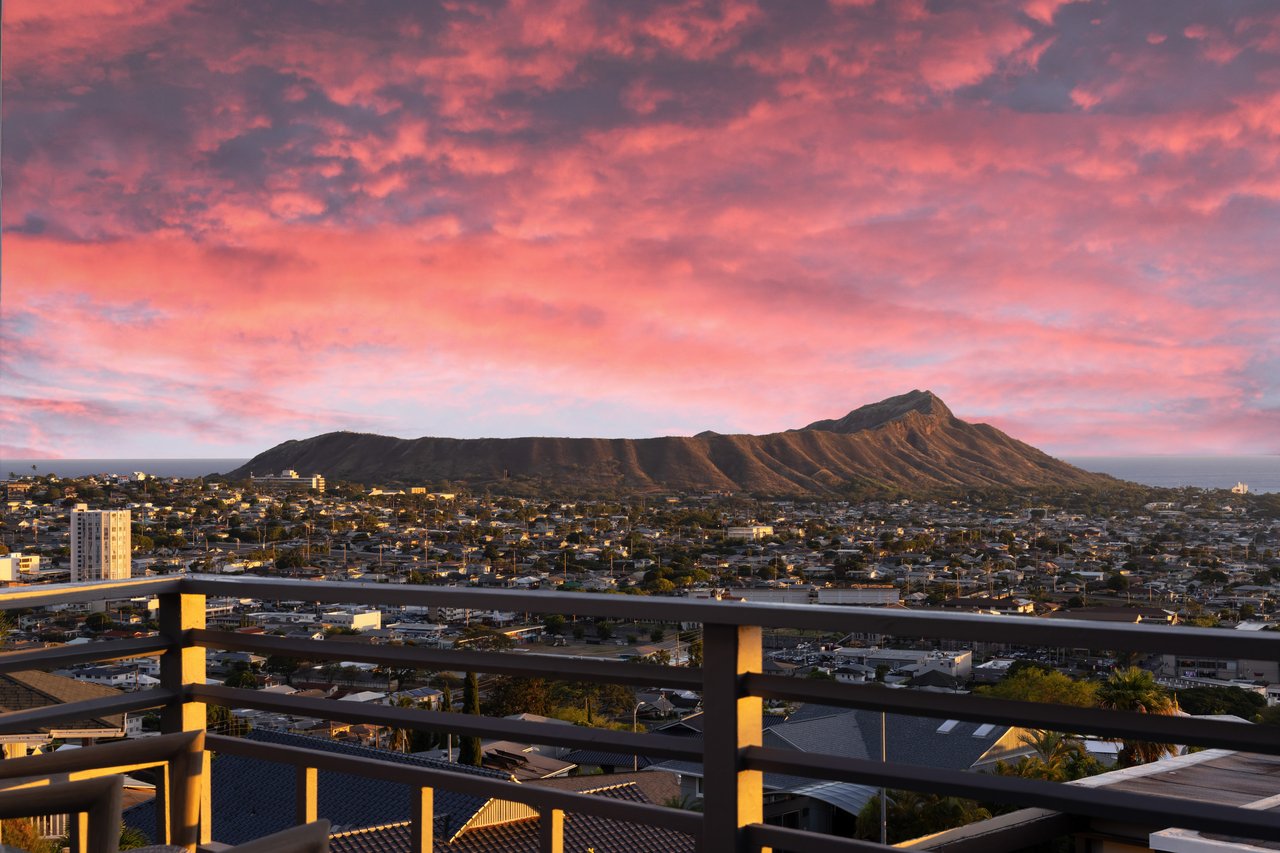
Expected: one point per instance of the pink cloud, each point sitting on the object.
(705, 215)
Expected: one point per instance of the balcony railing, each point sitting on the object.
(730, 681)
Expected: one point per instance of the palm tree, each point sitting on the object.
(1057, 757)
(1133, 689)
(401, 738)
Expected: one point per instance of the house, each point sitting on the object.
(514, 828)
(252, 796)
(24, 691)
(832, 807)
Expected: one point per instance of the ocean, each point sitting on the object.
(1261, 473)
(154, 467)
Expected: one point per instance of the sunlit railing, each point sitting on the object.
(730, 681)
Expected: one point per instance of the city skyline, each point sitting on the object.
(230, 225)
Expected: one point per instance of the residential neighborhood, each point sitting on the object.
(1205, 559)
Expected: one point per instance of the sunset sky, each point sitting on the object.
(227, 224)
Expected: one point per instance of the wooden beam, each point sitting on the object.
(551, 831)
(181, 666)
(733, 795)
(423, 821)
(307, 795)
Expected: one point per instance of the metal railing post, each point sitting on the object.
(182, 665)
(733, 797)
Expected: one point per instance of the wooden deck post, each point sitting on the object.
(184, 779)
(423, 821)
(732, 796)
(308, 795)
(551, 831)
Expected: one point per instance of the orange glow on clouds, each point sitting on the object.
(230, 224)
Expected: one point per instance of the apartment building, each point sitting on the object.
(101, 544)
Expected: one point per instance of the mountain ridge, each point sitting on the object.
(908, 442)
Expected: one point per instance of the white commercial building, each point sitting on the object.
(101, 544)
(13, 566)
(749, 533)
(867, 596)
(353, 618)
(288, 481)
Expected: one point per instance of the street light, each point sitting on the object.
(635, 712)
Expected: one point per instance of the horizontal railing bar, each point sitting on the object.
(766, 835)
(29, 718)
(1099, 802)
(43, 595)
(1012, 630)
(126, 752)
(525, 665)
(1160, 728)
(524, 731)
(63, 656)
(1006, 833)
(677, 820)
(77, 796)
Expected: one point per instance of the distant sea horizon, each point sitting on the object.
(1260, 473)
(188, 467)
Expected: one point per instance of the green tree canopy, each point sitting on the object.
(1245, 704)
(469, 750)
(1036, 685)
(910, 814)
(484, 638)
(1056, 758)
(1136, 690)
(509, 695)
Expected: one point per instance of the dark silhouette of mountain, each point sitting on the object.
(911, 442)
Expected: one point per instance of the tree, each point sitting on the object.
(1135, 690)
(281, 665)
(22, 834)
(242, 677)
(1221, 700)
(484, 638)
(1057, 758)
(657, 635)
(509, 695)
(219, 720)
(402, 738)
(132, 838)
(695, 652)
(910, 815)
(554, 624)
(1038, 685)
(469, 751)
(292, 558)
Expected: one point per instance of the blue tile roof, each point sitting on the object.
(253, 797)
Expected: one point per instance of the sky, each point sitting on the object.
(228, 224)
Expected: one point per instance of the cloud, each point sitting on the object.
(226, 227)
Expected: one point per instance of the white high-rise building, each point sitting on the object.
(101, 544)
